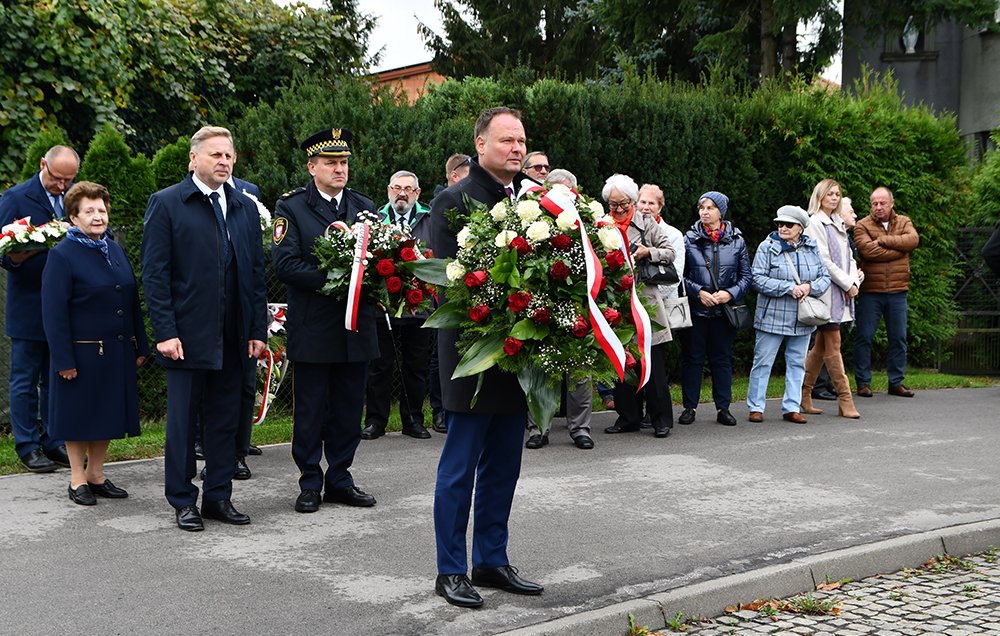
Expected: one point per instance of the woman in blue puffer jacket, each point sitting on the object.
(711, 242)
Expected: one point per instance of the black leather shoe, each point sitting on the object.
(37, 462)
(352, 496)
(617, 428)
(82, 495)
(372, 432)
(725, 418)
(107, 489)
(457, 590)
(417, 431)
(253, 450)
(661, 432)
(307, 501)
(537, 441)
(242, 470)
(583, 442)
(687, 417)
(438, 423)
(199, 451)
(58, 456)
(223, 511)
(188, 518)
(504, 578)
(823, 393)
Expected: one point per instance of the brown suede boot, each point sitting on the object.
(835, 365)
(814, 363)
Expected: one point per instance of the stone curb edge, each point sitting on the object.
(710, 598)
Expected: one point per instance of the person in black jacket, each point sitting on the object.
(203, 276)
(330, 362)
(483, 446)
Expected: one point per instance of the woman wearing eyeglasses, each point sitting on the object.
(786, 268)
(716, 272)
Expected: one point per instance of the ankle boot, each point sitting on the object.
(845, 401)
(814, 363)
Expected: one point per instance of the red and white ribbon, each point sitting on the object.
(361, 234)
(556, 203)
(643, 328)
(267, 360)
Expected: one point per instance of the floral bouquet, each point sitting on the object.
(22, 236)
(372, 260)
(272, 362)
(542, 287)
(265, 217)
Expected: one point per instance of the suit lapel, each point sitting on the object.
(38, 194)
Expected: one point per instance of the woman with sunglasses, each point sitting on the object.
(786, 268)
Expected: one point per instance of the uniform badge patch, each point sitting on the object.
(280, 228)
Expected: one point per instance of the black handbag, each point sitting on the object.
(652, 273)
(738, 314)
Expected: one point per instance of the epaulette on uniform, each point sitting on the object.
(292, 193)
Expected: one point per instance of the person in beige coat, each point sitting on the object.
(647, 240)
(827, 228)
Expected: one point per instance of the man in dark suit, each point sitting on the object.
(405, 348)
(484, 442)
(40, 199)
(330, 362)
(203, 275)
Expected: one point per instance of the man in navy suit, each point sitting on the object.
(484, 442)
(330, 362)
(203, 275)
(40, 199)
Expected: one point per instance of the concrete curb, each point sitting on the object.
(801, 575)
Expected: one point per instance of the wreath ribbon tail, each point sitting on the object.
(361, 233)
(643, 329)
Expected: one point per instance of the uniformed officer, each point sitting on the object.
(330, 362)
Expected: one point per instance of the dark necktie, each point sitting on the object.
(510, 192)
(221, 220)
(401, 219)
(57, 206)
(335, 208)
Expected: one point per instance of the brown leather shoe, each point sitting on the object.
(755, 416)
(900, 390)
(795, 418)
(864, 390)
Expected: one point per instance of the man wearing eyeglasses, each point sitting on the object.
(39, 199)
(404, 346)
(536, 165)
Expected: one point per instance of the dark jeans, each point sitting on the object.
(871, 308)
(29, 395)
(707, 339)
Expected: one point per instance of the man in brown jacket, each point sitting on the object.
(885, 240)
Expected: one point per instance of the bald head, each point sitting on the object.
(58, 169)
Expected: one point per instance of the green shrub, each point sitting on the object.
(986, 187)
(46, 138)
(128, 179)
(170, 163)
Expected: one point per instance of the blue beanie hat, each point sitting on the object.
(721, 201)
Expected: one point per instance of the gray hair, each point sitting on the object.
(405, 173)
(624, 184)
(207, 132)
(531, 154)
(55, 152)
(563, 176)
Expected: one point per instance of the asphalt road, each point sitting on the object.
(634, 516)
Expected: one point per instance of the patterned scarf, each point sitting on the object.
(716, 234)
(76, 234)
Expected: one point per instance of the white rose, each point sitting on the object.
(610, 237)
(538, 231)
(562, 189)
(528, 210)
(596, 208)
(454, 270)
(504, 238)
(464, 236)
(37, 236)
(499, 211)
(5, 241)
(566, 221)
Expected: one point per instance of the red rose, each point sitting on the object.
(580, 327)
(542, 316)
(476, 278)
(414, 296)
(408, 254)
(630, 360)
(625, 283)
(394, 284)
(428, 253)
(561, 242)
(520, 245)
(614, 259)
(559, 271)
(385, 267)
(518, 301)
(479, 313)
(612, 316)
(604, 283)
(511, 346)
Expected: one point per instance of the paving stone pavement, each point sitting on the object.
(957, 598)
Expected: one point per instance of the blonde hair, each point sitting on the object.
(820, 191)
(206, 133)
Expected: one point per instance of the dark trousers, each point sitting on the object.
(711, 339)
(248, 394)
(656, 395)
(433, 377)
(328, 401)
(404, 352)
(29, 395)
(871, 308)
(484, 450)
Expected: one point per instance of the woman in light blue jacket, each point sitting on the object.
(779, 257)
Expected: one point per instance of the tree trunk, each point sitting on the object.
(768, 44)
(789, 48)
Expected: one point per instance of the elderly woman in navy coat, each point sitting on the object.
(93, 324)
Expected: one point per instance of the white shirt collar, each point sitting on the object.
(207, 191)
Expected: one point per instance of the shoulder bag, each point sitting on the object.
(678, 309)
(812, 311)
(738, 314)
(652, 273)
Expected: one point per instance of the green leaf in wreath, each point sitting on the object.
(528, 329)
(505, 263)
(450, 315)
(482, 355)
(541, 393)
(430, 270)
